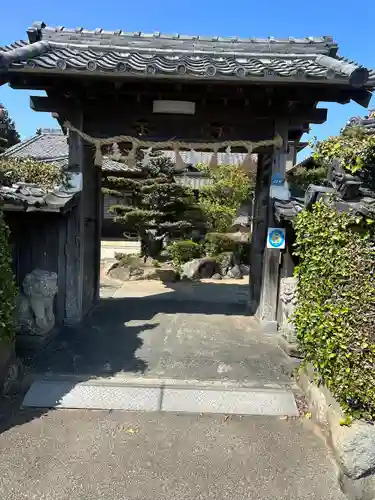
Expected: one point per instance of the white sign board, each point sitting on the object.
(276, 238)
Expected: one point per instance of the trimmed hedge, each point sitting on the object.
(185, 250)
(335, 314)
(8, 290)
(218, 243)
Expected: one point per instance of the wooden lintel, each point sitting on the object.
(49, 104)
(362, 97)
(25, 85)
(317, 115)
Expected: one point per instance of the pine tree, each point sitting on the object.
(8, 133)
(160, 209)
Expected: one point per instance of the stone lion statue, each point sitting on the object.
(35, 310)
(288, 299)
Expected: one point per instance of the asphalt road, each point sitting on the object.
(97, 455)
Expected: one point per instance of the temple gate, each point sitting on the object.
(210, 93)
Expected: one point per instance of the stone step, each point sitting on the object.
(135, 394)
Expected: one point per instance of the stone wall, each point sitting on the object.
(353, 445)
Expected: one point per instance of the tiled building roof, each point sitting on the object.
(368, 123)
(62, 51)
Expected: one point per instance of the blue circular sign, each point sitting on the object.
(276, 238)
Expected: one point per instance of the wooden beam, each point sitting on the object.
(52, 104)
(317, 115)
(213, 110)
(362, 97)
(45, 104)
(18, 84)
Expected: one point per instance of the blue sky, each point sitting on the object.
(350, 23)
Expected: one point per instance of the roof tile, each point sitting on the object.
(287, 58)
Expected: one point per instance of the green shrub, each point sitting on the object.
(185, 250)
(335, 314)
(218, 243)
(8, 290)
(46, 175)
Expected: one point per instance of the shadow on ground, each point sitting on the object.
(179, 333)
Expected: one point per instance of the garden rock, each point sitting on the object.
(245, 270)
(200, 268)
(125, 273)
(136, 273)
(225, 262)
(166, 274)
(217, 276)
(354, 447)
(235, 272)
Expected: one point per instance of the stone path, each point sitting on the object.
(145, 341)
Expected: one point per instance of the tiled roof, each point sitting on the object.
(367, 123)
(31, 197)
(121, 54)
(287, 210)
(48, 144)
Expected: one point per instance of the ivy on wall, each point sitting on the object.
(335, 314)
(8, 290)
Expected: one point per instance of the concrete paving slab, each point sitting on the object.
(133, 396)
(237, 402)
(101, 455)
(60, 394)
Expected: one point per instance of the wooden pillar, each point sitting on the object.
(91, 214)
(267, 309)
(74, 238)
(83, 234)
(259, 228)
